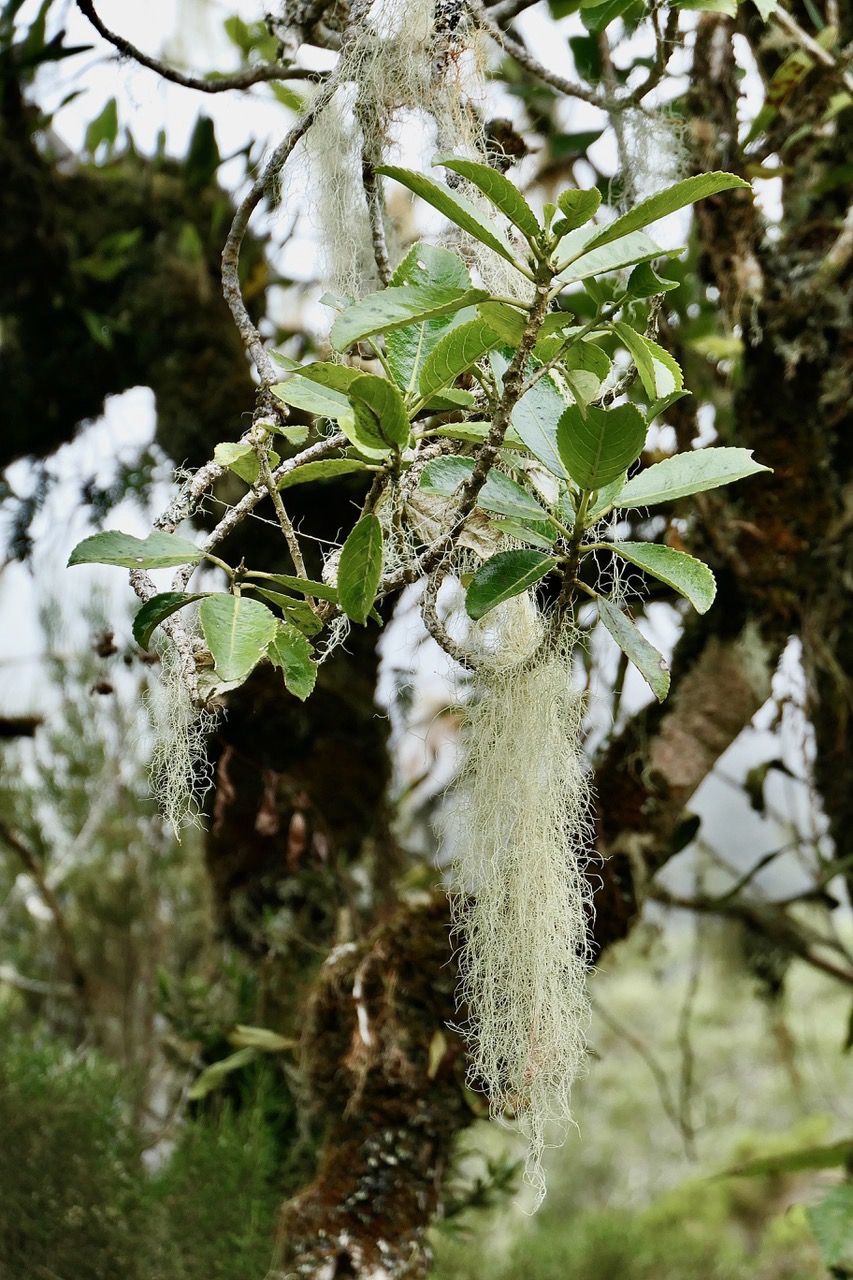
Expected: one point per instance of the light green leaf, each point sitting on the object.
(449, 398)
(381, 421)
(766, 8)
(457, 351)
(657, 406)
(291, 652)
(407, 348)
(728, 7)
(535, 417)
(651, 665)
(237, 632)
(325, 469)
(605, 499)
(577, 208)
(665, 202)
(498, 189)
(214, 1076)
(299, 612)
(305, 587)
(242, 459)
(500, 495)
(398, 308)
(542, 536)
(262, 1039)
(157, 551)
(328, 374)
(644, 282)
(360, 568)
(156, 610)
(506, 321)
(455, 207)
(688, 473)
(605, 258)
(505, 575)
(313, 397)
(597, 445)
(831, 1220)
(659, 373)
(687, 575)
(584, 368)
(476, 432)
(797, 1161)
(296, 433)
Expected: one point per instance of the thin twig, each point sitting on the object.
(802, 38)
(526, 59)
(434, 625)
(665, 47)
(221, 84)
(280, 511)
(376, 213)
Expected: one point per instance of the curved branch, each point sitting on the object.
(242, 80)
(536, 68)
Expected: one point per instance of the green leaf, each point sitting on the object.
(214, 1076)
(505, 575)
(598, 18)
(476, 432)
(455, 207)
(381, 421)
(657, 406)
(665, 202)
(325, 469)
(687, 575)
(398, 308)
(242, 459)
(237, 632)
(337, 376)
(156, 610)
(651, 665)
(535, 417)
(644, 282)
(305, 587)
(407, 348)
(688, 473)
(597, 445)
(541, 536)
(500, 495)
(659, 373)
(577, 208)
(104, 128)
(299, 612)
(291, 652)
(831, 1221)
(728, 7)
(262, 1039)
(584, 367)
(360, 568)
(457, 351)
(506, 321)
(313, 397)
(497, 188)
(602, 259)
(798, 1161)
(605, 499)
(157, 551)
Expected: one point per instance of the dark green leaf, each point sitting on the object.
(457, 351)
(687, 575)
(644, 282)
(597, 445)
(299, 612)
(237, 632)
(498, 189)
(506, 321)
(598, 261)
(831, 1220)
(407, 348)
(360, 568)
(505, 575)
(291, 652)
(577, 208)
(598, 18)
(380, 414)
(651, 665)
(455, 207)
(305, 587)
(157, 551)
(688, 473)
(398, 308)
(325, 469)
(500, 495)
(663, 203)
(156, 610)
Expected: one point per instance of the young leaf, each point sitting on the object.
(157, 551)
(500, 495)
(237, 632)
(495, 187)
(360, 568)
(325, 469)
(644, 282)
(406, 349)
(305, 587)
(455, 207)
(577, 208)
(687, 575)
(291, 652)
(657, 406)
(659, 373)
(688, 473)
(651, 665)
(213, 1077)
(605, 499)
(397, 308)
(156, 610)
(504, 575)
(597, 445)
(381, 420)
(666, 202)
(457, 351)
(535, 417)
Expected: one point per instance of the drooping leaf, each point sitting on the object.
(157, 610)
(214, 1076)
(360, 568)
(659, 372)
(325, 469)
(381, 420)
(644, 282)
(291, 652)
(598, 445)
(457, 351)
(577, 208)
(688, 473)
(499, 495)
(497, 188)
(299, 612)
(651, 665)
(157, 551)
(831, 1221)
(505, 575)
(454, 207)
(665, 202)
(535, 417)
(398, 308)
(305, 586)
(406, 349)
(687, 575)
(237, 632)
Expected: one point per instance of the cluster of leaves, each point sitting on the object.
(538, 443)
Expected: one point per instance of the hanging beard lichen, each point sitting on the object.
(179, 768)
(521, 899)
